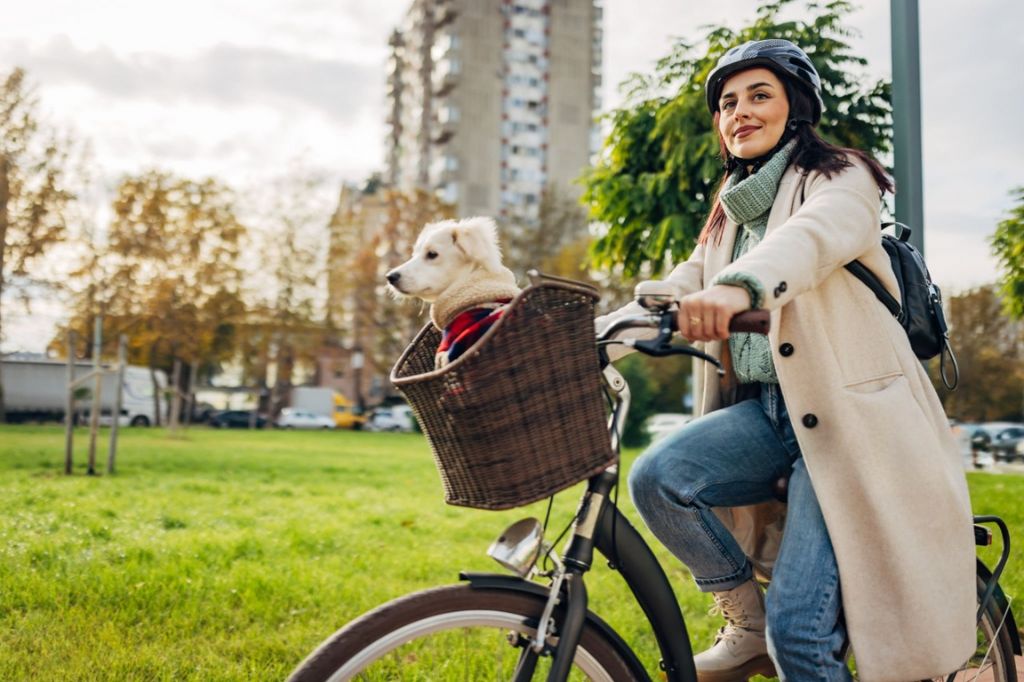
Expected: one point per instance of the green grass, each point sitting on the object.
(230, 555)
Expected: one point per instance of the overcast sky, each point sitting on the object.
(240, 89)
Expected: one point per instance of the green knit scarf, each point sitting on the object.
(747, 202)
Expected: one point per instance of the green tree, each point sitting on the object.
(1008, 245)
(660, 168)
(34, 192)
(642, 404)
(655, 385)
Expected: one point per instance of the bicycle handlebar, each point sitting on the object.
(750, 321)
(665, 321)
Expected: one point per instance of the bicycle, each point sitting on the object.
(530, 629)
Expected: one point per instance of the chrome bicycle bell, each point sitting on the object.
(518, 548)
(655, 295)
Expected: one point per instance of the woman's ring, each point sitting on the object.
(694, 320)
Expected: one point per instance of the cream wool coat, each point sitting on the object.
(874, 436)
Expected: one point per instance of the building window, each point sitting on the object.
(450, 193)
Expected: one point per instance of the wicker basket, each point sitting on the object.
(520, 415)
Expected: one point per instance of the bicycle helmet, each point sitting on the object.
(784, 58)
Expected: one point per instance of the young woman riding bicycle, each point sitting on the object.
(877, 543)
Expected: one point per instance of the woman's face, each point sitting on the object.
(753, 112)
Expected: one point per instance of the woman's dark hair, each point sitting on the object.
(812, 153)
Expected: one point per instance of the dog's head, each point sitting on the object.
(448, 252)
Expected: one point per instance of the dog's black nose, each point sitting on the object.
(393, 277)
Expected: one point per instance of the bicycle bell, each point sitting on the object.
(655, 295)
(518, 548)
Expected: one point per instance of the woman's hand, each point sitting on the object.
(705, 315)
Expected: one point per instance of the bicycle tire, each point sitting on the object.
(993, 623)
(994, 659)
(378, 636)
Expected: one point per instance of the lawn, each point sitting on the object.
(230, 555)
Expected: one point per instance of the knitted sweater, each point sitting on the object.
(747, 202)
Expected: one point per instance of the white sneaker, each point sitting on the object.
(740, 650)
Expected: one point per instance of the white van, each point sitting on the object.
(393, 418)
(36, 389)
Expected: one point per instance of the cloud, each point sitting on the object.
(225, 74)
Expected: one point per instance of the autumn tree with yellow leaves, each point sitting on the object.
(34, 193)
(168, 274)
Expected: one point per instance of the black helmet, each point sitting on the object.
(782, 57)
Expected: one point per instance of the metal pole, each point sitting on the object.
(69, 406)
(906, 118)
(97, 404)
(122, 359)
(358, 360)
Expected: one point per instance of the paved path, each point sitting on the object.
(988, 677)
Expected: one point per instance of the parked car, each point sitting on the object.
(201, 412)
(294, 418)
(1004, 444)
(326, 401)
(392, 418)
(235, 419)
(998, 438)
(660, 425)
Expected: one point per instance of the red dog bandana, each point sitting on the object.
(467, 328)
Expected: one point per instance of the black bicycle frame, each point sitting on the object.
(627, 553)
(600, 524)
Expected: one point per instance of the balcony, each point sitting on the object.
(445, 16)
(441, 132)
(446, 76)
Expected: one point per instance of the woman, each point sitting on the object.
(877, 543)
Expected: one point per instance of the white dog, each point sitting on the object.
(456, 267)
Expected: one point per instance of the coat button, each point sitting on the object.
(779, 290)
(809, 420)
(786, 350)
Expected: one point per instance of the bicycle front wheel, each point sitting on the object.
(457, 633)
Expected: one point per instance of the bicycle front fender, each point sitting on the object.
(501, 581)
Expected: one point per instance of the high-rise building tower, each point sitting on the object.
(492, 101)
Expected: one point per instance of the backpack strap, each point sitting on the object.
(948, 350)
(861, 272)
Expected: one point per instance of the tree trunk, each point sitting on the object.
(5, 195)
(156, 385)
(190, 395)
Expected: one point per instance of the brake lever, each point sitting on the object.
(660, 348)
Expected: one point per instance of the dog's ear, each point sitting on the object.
(478, 239)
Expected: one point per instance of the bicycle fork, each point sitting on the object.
(568, 585)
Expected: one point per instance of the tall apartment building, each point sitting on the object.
(491, 101)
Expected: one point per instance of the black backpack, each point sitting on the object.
(920, 307)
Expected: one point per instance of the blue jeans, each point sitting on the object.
(733, 457)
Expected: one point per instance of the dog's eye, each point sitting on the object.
(431, 255)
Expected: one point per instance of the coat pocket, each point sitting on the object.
(874, 384)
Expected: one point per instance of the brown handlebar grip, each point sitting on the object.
(752, 321)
